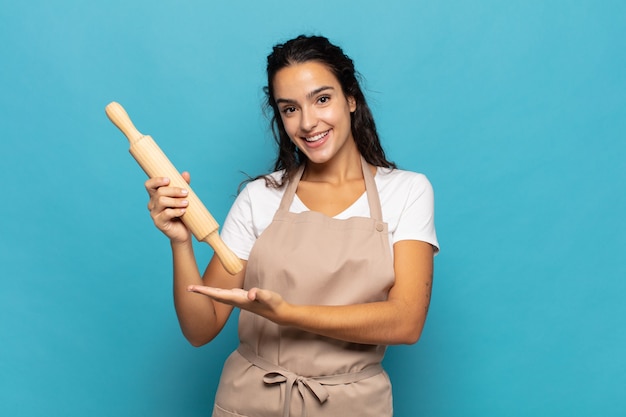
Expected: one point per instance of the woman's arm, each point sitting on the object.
(200, 319)
(398, 320)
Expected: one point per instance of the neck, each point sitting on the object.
(340, 169)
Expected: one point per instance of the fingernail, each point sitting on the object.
(185, 192)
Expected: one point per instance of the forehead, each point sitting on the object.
(300, 79)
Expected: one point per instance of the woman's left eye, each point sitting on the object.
(323, 99)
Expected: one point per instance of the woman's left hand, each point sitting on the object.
(262, 302)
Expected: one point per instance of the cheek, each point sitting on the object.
(329, 114)
(336, 115)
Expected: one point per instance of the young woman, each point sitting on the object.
(337, 246)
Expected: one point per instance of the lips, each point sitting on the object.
(316, 138)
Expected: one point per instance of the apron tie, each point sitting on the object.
(291, 379)
(313, 385)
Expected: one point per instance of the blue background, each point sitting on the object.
(516, 111)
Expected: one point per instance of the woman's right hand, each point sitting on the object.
(167, 204)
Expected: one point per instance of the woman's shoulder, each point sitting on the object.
(263, 187)
(400, 179)
(255, 205)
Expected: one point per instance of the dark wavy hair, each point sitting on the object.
(319, 49)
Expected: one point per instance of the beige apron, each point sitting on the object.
(310, 258)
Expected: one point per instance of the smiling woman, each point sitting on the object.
(315, 112)
(337, 246)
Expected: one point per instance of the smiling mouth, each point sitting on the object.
(316, 137)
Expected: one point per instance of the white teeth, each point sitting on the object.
(316, 137)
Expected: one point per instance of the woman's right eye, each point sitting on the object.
(288, 110)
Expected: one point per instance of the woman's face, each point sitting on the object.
(314, 110)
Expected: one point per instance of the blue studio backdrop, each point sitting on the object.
(515, 110)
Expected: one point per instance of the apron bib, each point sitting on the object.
(310, 258)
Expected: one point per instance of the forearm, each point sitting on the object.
(385, 322)
(399, 320)
(196, 315)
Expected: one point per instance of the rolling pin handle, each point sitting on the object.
(116, 113)
(227, 257)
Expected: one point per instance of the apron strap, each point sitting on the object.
(373, 200)
(290, 191)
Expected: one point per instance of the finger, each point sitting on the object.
(165, 217)
(166, 196)
(152, 184)
(200, 289)
(170, 202)
(158, 204)
(210, 291)
(264, 296)
(168, 219)
(220, 294)
(253, 294)
(171, 192)
(160, 185)
(186, 176)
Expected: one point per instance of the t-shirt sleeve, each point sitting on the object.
(238, 229)
(417, 217)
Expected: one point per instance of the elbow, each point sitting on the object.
(197, 340)
(409, 333)
(196, 343)
(410, 337)
(413, 338)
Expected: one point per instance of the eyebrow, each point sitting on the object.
(308, 96)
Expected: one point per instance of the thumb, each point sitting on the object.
(263, 296)
(253, 294)
(260, 295)
(186, 176)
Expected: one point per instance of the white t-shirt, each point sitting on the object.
(406, 199)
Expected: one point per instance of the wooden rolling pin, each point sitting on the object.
(154, 162)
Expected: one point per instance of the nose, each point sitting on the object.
(308, 119)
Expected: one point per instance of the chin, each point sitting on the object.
(318, 159)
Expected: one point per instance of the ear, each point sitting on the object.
(352, 104)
